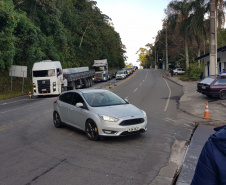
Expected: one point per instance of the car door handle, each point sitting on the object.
(71, 109)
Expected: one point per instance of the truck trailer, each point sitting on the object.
(47, 77)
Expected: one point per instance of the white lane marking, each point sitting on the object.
(135, 90)
(127, 97)
(71, 133)
(21, 108)
(141, 84)
(15, 101)
(143, 80)
(167, 103)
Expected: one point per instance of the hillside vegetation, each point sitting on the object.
(74, 32)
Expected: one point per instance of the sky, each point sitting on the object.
(136, 21)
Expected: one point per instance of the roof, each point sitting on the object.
(91, 90)
(222, 49)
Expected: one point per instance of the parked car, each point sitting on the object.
(179, 71)
(99, 113)
(121, 74)
(129, 70)
(213, 86)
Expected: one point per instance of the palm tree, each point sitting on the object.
(179, 15)
(199, 26)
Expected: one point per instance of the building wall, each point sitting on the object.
(221, 62)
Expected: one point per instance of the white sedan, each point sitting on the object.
(179, 71)
(99, 113)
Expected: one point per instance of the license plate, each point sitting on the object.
(132, 129)
(203, 87)
(43, 89)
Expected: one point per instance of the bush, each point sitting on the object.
(194, 71)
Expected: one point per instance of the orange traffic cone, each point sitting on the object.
(206, 114)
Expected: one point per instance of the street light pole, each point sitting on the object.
(167, 65)
(155, 56)
(213, 40)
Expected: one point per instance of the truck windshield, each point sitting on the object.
(44, 73)
(99, 68)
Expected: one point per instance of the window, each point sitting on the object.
(67, 97)
(207, 80)
(44, 73)
(221, 81)
(59, 71)
(77, 99)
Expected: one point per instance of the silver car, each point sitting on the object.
(121, 74)
(179, 71)
(99, 113)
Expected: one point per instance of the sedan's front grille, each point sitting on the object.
(132, 122)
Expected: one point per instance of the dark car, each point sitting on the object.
(213, 86)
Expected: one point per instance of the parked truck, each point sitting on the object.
(47, 77)
(102, 72)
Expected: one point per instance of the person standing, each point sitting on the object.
(201, 75)
(211, 166)
(171, 72)
(65, 83)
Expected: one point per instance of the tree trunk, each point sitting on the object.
(199, 51)
(83, 35)
(186, 52)
(199, 56)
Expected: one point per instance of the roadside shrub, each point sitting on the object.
(194, 71)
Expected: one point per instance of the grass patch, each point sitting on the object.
(5, 86)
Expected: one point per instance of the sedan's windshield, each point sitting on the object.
(99, 99)
(207, 80)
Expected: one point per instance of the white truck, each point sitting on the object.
(47, 77)
(101, 71)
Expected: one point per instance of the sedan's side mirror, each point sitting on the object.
(79, 105)
(127, 101)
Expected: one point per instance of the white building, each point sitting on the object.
(221, 60)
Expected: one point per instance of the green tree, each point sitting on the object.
(198, 28)
(8, 22)
(179, 15)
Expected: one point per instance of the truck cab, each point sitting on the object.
(101, 70)
(47, 78)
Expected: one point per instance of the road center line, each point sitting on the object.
(135, 90)
(167, 103)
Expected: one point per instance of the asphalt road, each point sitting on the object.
(33, 151)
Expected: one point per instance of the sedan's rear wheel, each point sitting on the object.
(56, 120)
(91, 130)
(222, 95)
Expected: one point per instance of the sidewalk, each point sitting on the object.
(193, 103)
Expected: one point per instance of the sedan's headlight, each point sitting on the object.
(108, 118)
(144, 113)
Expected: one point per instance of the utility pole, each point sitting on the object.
(167, 64)
(155, 57)
(213, 40)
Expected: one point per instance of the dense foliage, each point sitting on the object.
(186, 27)
(74, 32)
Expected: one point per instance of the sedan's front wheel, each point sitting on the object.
(222, 95)
(91, 130)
